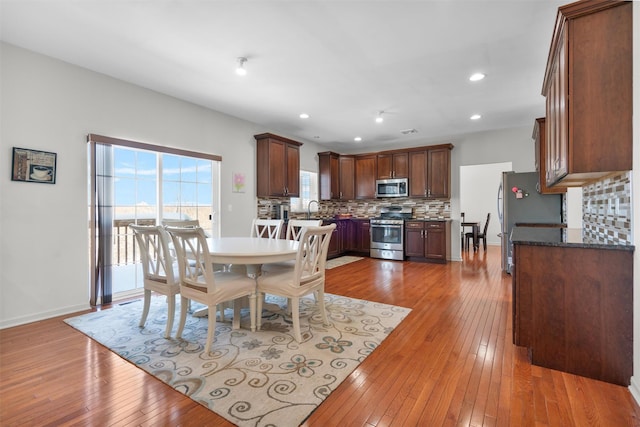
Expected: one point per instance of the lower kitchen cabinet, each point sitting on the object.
(573, 309)
(427, 241)
(341, 238)
(361, 233)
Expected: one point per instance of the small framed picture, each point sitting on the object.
(33, 166)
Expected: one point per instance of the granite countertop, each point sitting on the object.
(560, 237)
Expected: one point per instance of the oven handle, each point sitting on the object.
(387, 225)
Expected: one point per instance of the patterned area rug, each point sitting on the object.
(337, 262)
(264, 378)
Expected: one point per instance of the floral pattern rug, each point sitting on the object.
(262, 378)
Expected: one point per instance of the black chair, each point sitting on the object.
(481, 235)
(462, 231)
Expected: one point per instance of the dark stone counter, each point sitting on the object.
(560, 237)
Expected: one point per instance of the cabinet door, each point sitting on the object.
(334, 243)
(385, 166)
(401, 165)
(435, 241)
(329, 175)
(438, 172)
(277, 177)
(539, 136)
(292, 185)
(393, 165)
(418, 174)
(414, 239)
(347, 178)
(364, 236)
(365, 178)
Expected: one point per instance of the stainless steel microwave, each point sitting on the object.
(396, 187)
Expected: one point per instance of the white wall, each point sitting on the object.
(479, 195)
(49, 105)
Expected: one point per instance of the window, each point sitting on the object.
(308, 192)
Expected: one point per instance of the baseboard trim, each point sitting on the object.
(18, 321)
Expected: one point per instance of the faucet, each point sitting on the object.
(309, 208)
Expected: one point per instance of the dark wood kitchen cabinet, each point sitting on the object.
(430, 172)
(341, 238)
(337, 176)
(573, 309)
(427, 241)
(393, 165)
(361, 233)
(540, 150)
(588, 90)
(365, 179)
(278, 164)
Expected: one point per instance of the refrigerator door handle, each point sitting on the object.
(500, 205)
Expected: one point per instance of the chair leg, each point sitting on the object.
(184, 306)
(145, 310)
(323, 311)
(171, 313)
(212, 327)
(236, 314)
(258, 314)
(252, 311)
(295, 318)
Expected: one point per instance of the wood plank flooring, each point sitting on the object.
(451, 362)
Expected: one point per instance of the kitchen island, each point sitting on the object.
(573, 302)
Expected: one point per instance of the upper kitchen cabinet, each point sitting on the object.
(278, 166)
(539, 137)
(588, 88)
(337, 176)
(430, 172)
(365, 176)
(393, 165)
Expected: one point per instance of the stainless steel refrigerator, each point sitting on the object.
(520, 202)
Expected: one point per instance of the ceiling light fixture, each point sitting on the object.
(240, 70)
(475, 117)
(380, 119)
(357, 139)
(477, 77)
(304, 116)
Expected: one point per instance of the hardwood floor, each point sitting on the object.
(451, 362)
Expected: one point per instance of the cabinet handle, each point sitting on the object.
(425, 192)
(341, 194)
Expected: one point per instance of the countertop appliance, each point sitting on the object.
(520, 203)
(395, 187)
(387, 232)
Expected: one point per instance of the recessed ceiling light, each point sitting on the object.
(475, 117)
(304, 116)
(240, 70)
(476, 77)
(379, 118)
(357, 139)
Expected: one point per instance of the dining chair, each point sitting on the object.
(201, 283)
(159, 269)
(267, 228)
(307, 275)
(461, 230)
(294, 232)
(481, 235)
(181, 222)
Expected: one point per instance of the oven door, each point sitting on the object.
(387, 236)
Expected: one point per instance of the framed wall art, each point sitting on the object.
(33, 166)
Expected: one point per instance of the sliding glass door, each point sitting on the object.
(134, 184)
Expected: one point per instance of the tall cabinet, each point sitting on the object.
(430, 172)
(278, 162)
(588, 90)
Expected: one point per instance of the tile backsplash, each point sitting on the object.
(606, 210)
(422, 208)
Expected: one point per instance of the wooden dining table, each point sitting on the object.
(475, 229)
(252, 252)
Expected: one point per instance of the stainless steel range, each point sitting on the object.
(387, 233)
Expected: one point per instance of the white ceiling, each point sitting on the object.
(339, 61)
